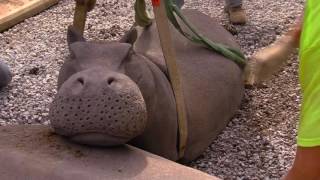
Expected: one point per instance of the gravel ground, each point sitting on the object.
(259, 143)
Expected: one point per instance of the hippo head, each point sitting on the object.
(97, 103)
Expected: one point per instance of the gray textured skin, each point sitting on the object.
(5, 75)
(212, 85)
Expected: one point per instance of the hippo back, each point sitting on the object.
(212, 84)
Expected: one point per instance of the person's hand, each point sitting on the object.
(267, 61)
(264, 63)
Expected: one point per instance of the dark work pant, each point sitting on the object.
(229, 3)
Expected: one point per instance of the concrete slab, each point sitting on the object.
(35, 153)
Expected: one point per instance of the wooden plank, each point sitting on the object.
(15, 11)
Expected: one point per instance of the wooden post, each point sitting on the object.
(79, 18)
(173, 70)
(80, 14)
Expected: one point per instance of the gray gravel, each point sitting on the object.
(259, 143)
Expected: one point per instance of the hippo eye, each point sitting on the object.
(110, 80)
(80, 80)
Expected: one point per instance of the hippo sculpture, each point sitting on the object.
(5, 75)
(112, 93)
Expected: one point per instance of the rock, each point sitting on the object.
(5, 75)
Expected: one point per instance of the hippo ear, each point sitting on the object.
(132, 35)
(74, 35)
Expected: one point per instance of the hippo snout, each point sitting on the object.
(96, 107)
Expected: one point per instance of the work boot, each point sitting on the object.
(237, 15)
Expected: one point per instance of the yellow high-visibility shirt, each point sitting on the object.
(309, 74)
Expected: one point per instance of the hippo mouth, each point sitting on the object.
(96, 108)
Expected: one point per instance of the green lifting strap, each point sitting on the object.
(143, 19)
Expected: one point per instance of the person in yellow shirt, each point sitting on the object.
(306, 36)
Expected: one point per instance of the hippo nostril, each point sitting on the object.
(110, 80)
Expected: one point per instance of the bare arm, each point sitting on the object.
(306, 164)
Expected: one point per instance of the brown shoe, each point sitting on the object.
(237, 15)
